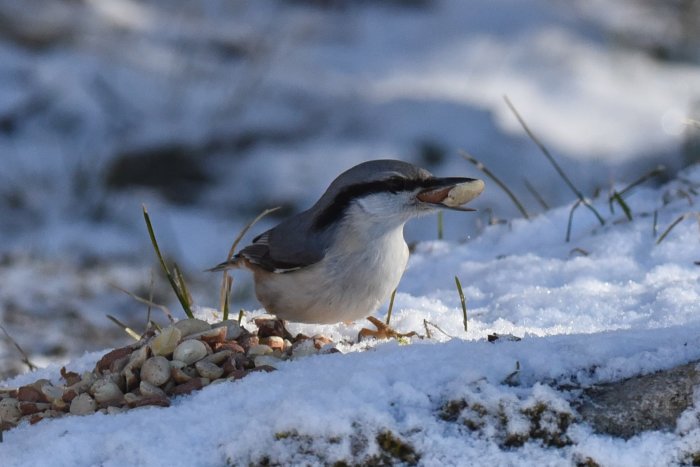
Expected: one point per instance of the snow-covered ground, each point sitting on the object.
(627, 306)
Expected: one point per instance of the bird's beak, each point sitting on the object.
(452, 193)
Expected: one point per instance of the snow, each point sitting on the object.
(275, 99)
(628, 307)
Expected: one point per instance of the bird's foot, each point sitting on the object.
(384, 331)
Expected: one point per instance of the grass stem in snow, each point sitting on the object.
(463, 301)
(145, 301)
(25, 357)
(133, 334)
(675, 223)
(533, 191)
(226, 281)
(552, 161)
(391, 307)
(479, 165)
(181, 296)
(571, 220)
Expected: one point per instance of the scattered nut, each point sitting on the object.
(259, 349)
(83, 405)
(233, 328)
(211, 336)
(149, 390)
(165, 342)
(191, 326)
(190, 351)
(219, 356)
(156, 370)
(208, 370)
(9, 409)
(105, 391)
(188, 387)
(274, 342)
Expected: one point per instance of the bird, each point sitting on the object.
(339, 260)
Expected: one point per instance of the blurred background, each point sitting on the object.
(210, 111)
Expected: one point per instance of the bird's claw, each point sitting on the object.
(384, 331)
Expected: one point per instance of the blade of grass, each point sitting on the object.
(658, 170)
(133, 334)
(155, 326)
(440, 221)
(391, 307)
(178, 293)
(231, 252)
(579, 251)
(655, 225)
(479, 165)
(680, 219)
(25, 357)
(552, 161)
(245, 229)
(145, 301)
(463, 301)
(617, 197)
(536, 195)
(240, 317)
(151, 286)
(225, 294)
(427, 331)
(571, 220)
(180, 279)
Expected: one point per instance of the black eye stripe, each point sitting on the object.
(343, 199)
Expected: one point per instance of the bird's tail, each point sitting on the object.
(232, 264)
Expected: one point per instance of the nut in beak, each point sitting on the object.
(453, 196)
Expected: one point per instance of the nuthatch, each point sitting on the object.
(343, 257)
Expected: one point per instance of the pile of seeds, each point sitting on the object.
(181, 358)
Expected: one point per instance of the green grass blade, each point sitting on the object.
(178, 293)
(391, 307)
(226, 293)
(463, 301)
(617, 197)
(182, 285)
(670, 227)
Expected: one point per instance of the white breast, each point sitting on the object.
(355, 277)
